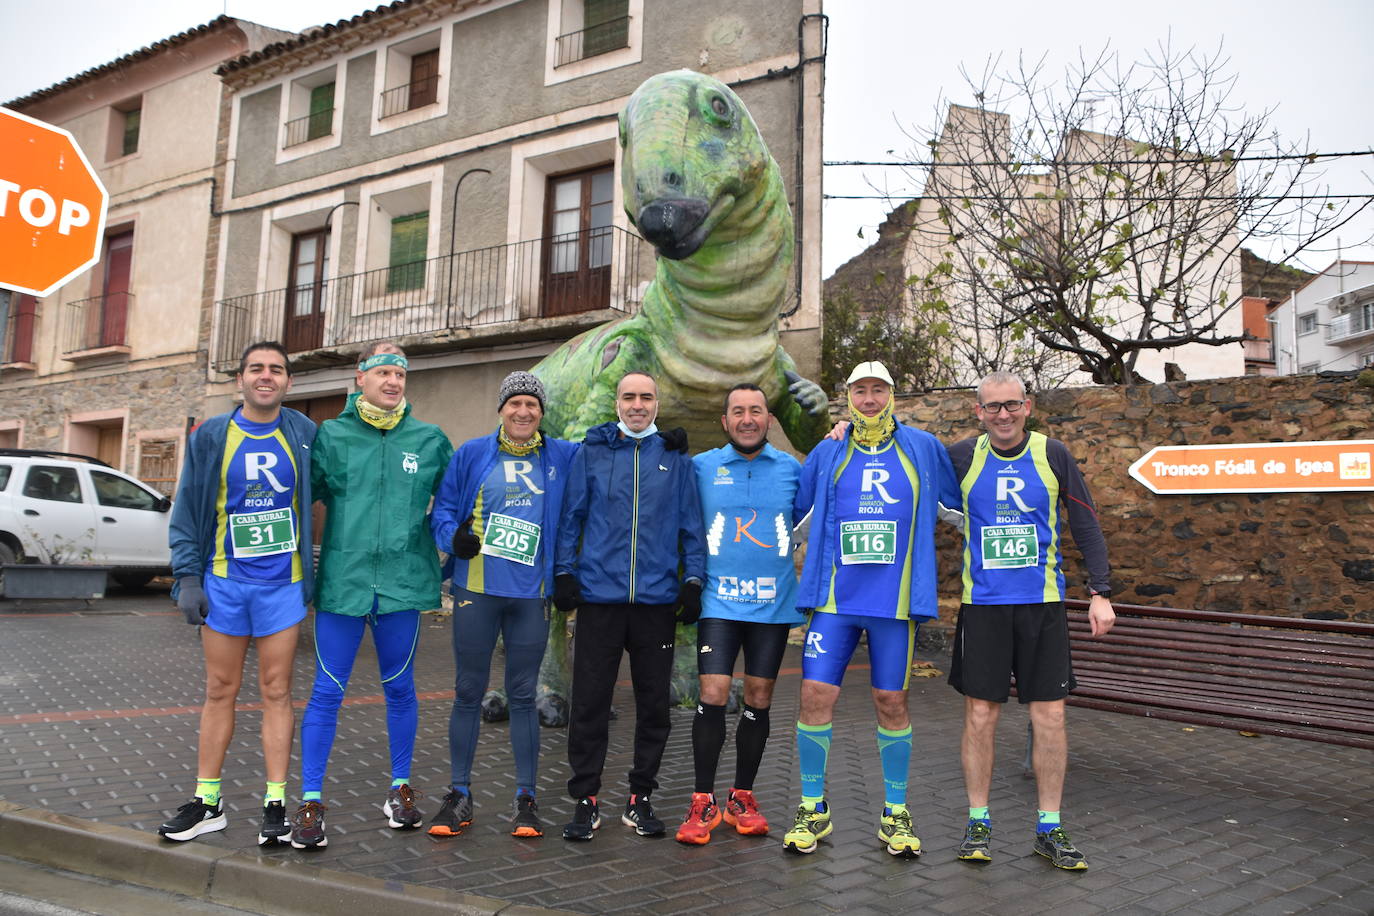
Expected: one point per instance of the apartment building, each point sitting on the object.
(1327, 324)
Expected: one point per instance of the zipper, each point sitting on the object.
(381, 515)
(634, 524)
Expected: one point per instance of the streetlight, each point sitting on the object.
(453, 236)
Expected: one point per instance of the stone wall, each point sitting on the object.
(1292, 554)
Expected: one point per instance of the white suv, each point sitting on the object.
(57, 507)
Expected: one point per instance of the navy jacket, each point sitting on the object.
(631, 517)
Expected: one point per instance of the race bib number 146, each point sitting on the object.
(1010, 546)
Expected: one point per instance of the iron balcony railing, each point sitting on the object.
(410, 95)
(611, 35)
(1357, 321)
(96, 322)
(539, 278)
(311, 127)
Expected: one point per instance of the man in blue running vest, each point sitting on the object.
(1012, 619)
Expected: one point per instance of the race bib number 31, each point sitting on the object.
(1010, 546)
(511, 538)
(868, 542)
(262, 534)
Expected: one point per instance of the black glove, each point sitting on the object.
(191, 600)
(689, 602)
(466, 545)
(674, 440)
(567, 594)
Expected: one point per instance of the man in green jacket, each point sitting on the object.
(375, 469)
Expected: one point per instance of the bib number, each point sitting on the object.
(1010, 546)
(511, 538)
(868, 542)
(262, 534)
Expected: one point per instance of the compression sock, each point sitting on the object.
(207, 790)
(1047, 821)
(751, 736)
(708, 737)
(894, 749)
(276, 792)
(813, 752)
(399, 781)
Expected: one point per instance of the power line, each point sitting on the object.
(1081, 197)
(1055, 162)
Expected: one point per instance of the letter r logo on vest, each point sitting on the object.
(1009, 488)
(521, 470)
(255, 463)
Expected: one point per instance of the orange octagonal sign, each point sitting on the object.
(52, 206)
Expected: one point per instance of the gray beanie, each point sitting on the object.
(520, 383)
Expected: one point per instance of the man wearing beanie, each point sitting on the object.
(496, 513)
(375, 469)
(870, 570)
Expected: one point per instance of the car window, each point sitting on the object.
(4, 476)
(52, 482)
(111, 490)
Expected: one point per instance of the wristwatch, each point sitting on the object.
(1105, 593)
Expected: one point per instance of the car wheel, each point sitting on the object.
(7, 554)
(133, 579)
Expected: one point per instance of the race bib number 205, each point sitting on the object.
(511, 538)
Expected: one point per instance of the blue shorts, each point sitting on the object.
(249, 609)
(832, 638)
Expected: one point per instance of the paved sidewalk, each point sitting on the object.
(98, 714)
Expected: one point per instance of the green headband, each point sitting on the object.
(383, 359)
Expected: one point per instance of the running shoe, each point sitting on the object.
(809, 827)
(702, 817)
(975, 845)
(454, 814)
(639, 814)
(1056, 847)
(307, 826)
(894, 829)
(194, 818)
(742, 811)
(400, 809)
(274, 829)
(586, 819)
(526, 820)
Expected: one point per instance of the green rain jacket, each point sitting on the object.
(377, 486)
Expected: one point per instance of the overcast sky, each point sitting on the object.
(890, 64)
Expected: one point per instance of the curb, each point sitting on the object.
(229, 878)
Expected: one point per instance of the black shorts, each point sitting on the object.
(719, 641)
(994, 642)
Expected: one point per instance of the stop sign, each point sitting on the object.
(52, 206)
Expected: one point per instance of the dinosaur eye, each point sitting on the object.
(717, 111)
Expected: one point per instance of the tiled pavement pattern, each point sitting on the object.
(98, 719)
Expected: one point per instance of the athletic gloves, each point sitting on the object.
(567, 594)
(191, 600)
(689, 602)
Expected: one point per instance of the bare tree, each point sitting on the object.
(1081, 224)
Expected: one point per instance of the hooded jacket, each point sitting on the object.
(631, 516)
(376, 485)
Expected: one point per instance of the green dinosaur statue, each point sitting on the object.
(700, 186)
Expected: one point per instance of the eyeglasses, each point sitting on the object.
(1008, 406)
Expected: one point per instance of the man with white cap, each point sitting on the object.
(870, 570)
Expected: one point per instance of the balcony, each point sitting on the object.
(440, 302)
(602, 38)
(409, 96)
(1357, 322)
(96, 327)
(311, 127)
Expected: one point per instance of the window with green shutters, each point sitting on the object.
(321, 112)
(132, 120)
(409, 236)
(606, 26)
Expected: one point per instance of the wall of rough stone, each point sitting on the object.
(1292, 554)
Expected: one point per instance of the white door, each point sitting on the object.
(130, 531)
(58, 524)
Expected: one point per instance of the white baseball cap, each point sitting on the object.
(870, 369)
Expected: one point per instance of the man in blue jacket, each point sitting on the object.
(241, 553)
(870, 570)
(631, 518)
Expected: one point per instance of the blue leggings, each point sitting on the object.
(337, 637)
(477, 619)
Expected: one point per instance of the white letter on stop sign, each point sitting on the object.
(73, 215)
(38, 209)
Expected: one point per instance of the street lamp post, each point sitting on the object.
(453, 239)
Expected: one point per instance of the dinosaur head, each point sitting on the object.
(690, 150)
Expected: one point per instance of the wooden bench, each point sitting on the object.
(1309, 679)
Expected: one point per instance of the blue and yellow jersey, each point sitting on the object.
(257, 514)
(876, 492)
(508, 517)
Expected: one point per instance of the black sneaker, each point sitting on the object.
(307, 827)
(454, 814)
(975, 845)
(526, 821)
(1056, 847)
(586, 819)
(194, 818)
(400, 809)
(639, 814)
(274, 829)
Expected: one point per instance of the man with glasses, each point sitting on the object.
(1012, 618)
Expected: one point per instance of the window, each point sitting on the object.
(412, 77)
(132, 119)
(19, 334)
(157, 464)
(58, 484)
(126, 123)
(409, 240)
(120, 493)
(105, 324)
(578, 245)
(1309, 368)
(1307, 323)
(1365, 359)
(309, 106)
(591, 36)
(304, 328)
(317, 122)
(5, 470)
(605, 27)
